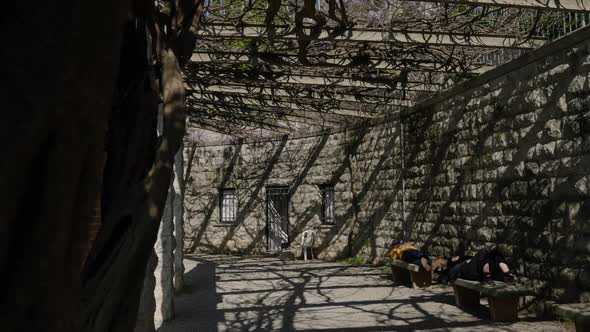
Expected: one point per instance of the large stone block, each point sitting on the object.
(584, 279)
(537, 98)
(550, 168)
(583, 245)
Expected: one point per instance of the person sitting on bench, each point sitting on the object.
(485, 266)
(408, 253)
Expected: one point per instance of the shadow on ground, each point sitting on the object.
(266, 294)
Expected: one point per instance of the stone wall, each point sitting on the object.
(505, 160)
(500, 160)
(303, 164)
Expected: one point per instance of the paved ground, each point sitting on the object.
(265, 294)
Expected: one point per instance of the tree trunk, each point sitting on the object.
(58, 113)
(136, 184)
(147, 302)
(59, 65)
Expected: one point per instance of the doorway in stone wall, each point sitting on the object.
(277, 217)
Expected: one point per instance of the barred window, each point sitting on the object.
(229, 206)
(327, 214)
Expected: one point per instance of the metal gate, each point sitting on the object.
(277, 217)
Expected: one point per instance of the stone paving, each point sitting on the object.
(265, 294)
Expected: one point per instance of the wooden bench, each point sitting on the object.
(410, 275)
(502, 298)
(579, 313)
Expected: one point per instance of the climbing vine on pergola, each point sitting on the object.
(293, 65)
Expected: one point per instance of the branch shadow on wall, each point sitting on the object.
(372, 202)
(196, 236)
(311, 211)
(522, 205)
(261, 181)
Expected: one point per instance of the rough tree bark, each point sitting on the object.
(182, 18)
(145, 315)
(136, 180)
(60, 63)
(116, 267)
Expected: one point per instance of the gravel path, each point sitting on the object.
(265, 294)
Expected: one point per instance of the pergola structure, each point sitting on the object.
(280, 66)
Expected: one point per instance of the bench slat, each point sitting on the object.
(577, 312)
(404, 265)
(497, 289)
(572, 311)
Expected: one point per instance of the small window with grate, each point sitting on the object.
(229, 206)
(327, 214)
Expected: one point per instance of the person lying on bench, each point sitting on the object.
(457, 257)
(485, 266)
(408, 253)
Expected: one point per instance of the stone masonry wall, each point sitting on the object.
(501, 160)
(304, 165)
(363, 164)
(506, 161)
